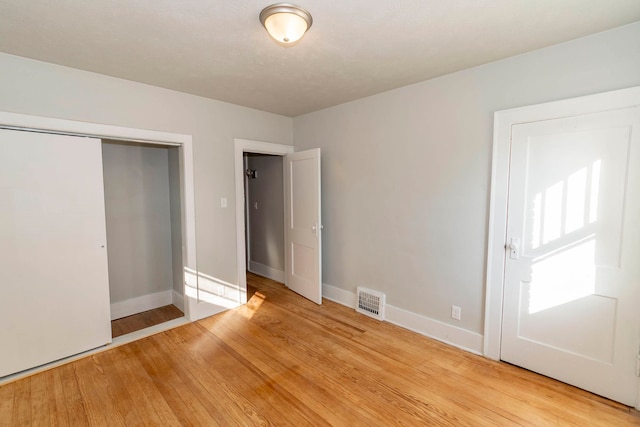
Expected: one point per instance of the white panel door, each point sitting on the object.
(572, 276)
(54, 288)
(303, 229)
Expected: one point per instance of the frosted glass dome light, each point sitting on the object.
(285, 22)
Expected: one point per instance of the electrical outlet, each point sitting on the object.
(223, 202)
(456, 312)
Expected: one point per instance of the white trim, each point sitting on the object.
(266, 271)
(188, 202)
(339, 295)
(242, 146)
(247, 216)
(72, 127)
(449, 334)
(177, 299)
(97, 130)
(139, 304)
(503, 121)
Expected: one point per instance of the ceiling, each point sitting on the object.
(355, 48)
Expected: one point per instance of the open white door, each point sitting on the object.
(54, 283)
(572, 281)
(303, 227)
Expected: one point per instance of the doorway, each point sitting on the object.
(90, 134)
(242, 147)
(264, 215)
(563, 284)
(302, 214)
(144, 236)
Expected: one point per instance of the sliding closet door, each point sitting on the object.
(54, 287)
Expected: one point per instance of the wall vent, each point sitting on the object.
(370, 303)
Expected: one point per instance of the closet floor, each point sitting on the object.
(143, 320)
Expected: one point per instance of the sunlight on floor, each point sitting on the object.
(249, 309)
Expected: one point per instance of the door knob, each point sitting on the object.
(514, 247)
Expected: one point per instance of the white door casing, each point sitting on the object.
(242, 146)
(576, 235)
(571, 282)
(54, 283)
(303, 227)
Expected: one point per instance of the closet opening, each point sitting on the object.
(54, 237)
(144, 234)
(264, 218)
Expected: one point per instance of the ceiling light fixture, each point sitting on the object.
(285, 22)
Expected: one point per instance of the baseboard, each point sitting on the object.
(339, 295)
(139, 304)
(177, 300)
(266, 271)
(449, 334)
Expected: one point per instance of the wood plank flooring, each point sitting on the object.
(284, 361)
(144, 320)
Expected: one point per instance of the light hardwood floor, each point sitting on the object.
(282, 360)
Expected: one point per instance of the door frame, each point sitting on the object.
(24, 122)
(242, 146)
(496, 239)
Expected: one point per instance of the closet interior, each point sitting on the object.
(144, 241)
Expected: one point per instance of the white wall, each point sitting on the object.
(42, 89)
(266, 223)
(138, 217)
(406, 173)
(176, 218)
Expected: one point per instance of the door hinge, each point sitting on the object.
(638, 366)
